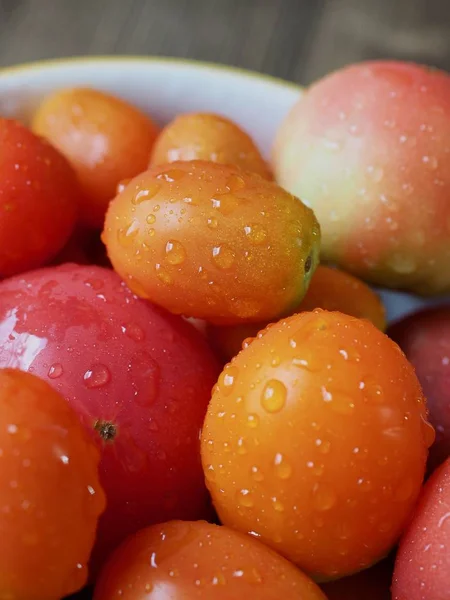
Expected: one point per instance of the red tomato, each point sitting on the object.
(105, 139)
(315, 440)
(139, 378)
(422, 567)
(38, 200)
(188, 561)
(51, 498)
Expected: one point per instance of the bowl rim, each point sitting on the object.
(74, 61)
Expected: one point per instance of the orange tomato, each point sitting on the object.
(212, 242)
(51, 497)
(315, 441)
(104, 138)
(330, 289)
(204, 136)
(184, 560)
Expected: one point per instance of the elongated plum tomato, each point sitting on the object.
(330, 289)
(39, 194)
(138, 377)
(422, 566)
(369, 147)
(205, 136)
(51, 498)
(315, 441)
(105, 139)
(181, 560)
(213, 242)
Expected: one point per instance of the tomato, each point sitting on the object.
(330, 289)
(315, 441)
(212, 242)
(422, 566)
(206, 136)
(51, 498)
(104, 138)
(185, 560)
(139, 378)
(38, 200)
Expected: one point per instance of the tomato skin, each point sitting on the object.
(39, 197)
(330, 289)
(326, 417)
(189, 560)
(422, 566)
(139, 378)
(206, 136)
(51, 497)
(187, 236)
(104, 138)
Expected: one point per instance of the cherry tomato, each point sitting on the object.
(315, 440)
(185, 560)
(212, 242)
(38, 200)
(139, 378)
(206, 136)
(51, 498)
(330, 289)
(104, 138)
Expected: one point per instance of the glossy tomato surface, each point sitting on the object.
(190, 561)
(50, 495)
(39, 197)
(139, 378)
(315, 441)
(103, 137)
(213, 242)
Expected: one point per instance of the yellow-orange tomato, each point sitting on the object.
(315, 440)
(184, 560)
(330, 289)
(212, 242)
(104, 138)
(203, 136)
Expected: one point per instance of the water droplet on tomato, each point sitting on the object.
(175, 252)
(283, 469)
(277, 504)
(223, 256)
(256, 474)
(228, 379)
(235, 183)
(147, 193)
(375, 173)
(324, 497)
(212, 223)
(428, 432)
(97, 376)
(256, 234)
(253, 421)
(244, 498)
(151, 218)
(273, 396)
(126, 236)
(163, 275)
(241, 446)
(55, 371)
(134, 332)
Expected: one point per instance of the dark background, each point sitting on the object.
(294, 39)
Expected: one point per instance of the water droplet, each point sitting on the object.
(55, 371)
(175, 252)
(324, 497)
(151, 218)
(256, 473)
(256, 234)
(278, 506)
(97, 376)
(126, 236)
(212, 223)
(244, 498)
(332, 145)
(235, 183)
(353, 129)
(323, 445)
(428, 432)
(134, 332)
(163, 275)
(253, 421)
(283, 469)
(227, 379)
(148, 587)
(219, 579)
(273, 396)
(327, 396)
(171, 175)
(275, 362)
(241, 446)
(375, 173)
(223, 256)
(342, 404)
(401, 263)
(147, 193)
(430, 161)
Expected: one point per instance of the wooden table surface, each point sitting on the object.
(294, 39)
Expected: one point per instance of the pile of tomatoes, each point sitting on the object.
(191, 406)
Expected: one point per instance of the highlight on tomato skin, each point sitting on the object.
(39, 196)
(330, 289)
(51, 498)
(187, 237)
(138, 377)
(104, 138)
(316, 440)
(207, 136)
(198, 560)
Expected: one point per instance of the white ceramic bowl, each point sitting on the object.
(165, 87)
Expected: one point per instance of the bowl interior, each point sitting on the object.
(166, 87)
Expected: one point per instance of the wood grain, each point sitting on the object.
(294, 39)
